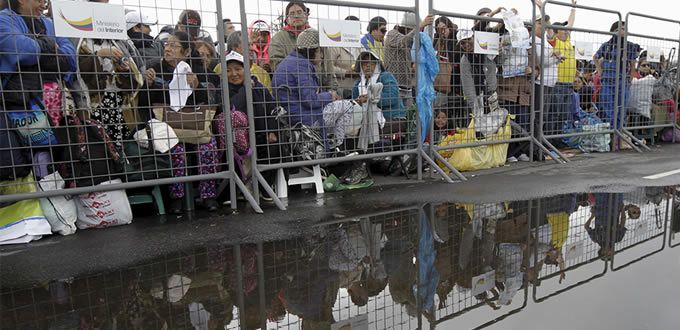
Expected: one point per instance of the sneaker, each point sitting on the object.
(266, 198)
(512, 159)
(211, 204)
(357, 174)
(524, 158)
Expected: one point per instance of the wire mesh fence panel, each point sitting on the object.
(568, 233)
(579, 80)
(90, 112)
(643, 218)
(483, 91)
(651, 107)
(182, 290)
(674, 217)
(332, 83)
(481, 259)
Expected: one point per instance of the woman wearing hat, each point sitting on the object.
(303, 98)
(371, 71)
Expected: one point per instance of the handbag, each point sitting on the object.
(442, 83)
(192, 125)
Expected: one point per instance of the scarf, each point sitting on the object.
(141, 40)
(295, 32)
(363, 85)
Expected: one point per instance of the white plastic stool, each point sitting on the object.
(281, 185)
(302, 179)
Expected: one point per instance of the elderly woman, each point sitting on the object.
(178, 49)
(32, 59)
(263, 103)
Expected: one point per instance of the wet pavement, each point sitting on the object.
(585, 259)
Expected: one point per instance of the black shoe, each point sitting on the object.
(211, 204)
(176, 207)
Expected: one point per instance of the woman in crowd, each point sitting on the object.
(32, 59)
(371, 71)
(178, 49)
(297, 71)
(265, 126)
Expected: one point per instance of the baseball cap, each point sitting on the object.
(261, 26)
(464, 34)
(234, 56)
(134, 18)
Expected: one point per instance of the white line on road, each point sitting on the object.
(662, 175)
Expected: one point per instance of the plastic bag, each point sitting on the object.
(103, 209)
(519, 35)
(640, 100)
(60, 211)
(428, 68)
(480, 157)
(164, 136)
(667, 135)
(23, 221)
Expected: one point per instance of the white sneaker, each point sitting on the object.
(512, 159)
(524, 158)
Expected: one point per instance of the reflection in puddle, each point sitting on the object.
(429, 264)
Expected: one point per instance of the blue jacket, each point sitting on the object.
(17, 48)
(390, 101)
(303, 101)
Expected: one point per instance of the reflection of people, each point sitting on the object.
(604, 218)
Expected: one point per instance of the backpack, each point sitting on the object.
(239, 124)
(87, 153)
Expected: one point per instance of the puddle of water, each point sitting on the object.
(451, 265)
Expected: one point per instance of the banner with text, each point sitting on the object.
(75, 19)
(339, 33)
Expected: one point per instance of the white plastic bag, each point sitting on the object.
(163, 136)
(60, 211)
(518, 32)
(103, 209)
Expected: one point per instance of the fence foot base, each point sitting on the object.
(246, 193)
(555, 151)
(625, 136)
(434, 166)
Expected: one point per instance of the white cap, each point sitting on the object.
(233, 56)
(134, 17)
(464, 34)
(261, 26)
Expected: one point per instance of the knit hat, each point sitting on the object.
(190, 17)
(308, 39)
(134, 18)
(484, 10)
(409, 21)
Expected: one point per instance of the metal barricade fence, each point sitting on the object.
(652, 106)
(561, 123)
(480, 260)
(82, 113)
(333, 112)
(562, 230)
(642, 218)
(484, 82)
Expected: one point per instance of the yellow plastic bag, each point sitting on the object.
(480, 157)
(24, 220)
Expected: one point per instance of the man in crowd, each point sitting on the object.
(373, 40)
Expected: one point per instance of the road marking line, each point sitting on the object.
(662, 175)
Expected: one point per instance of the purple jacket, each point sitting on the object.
(302, 98)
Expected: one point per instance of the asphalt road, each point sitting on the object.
(93, 251)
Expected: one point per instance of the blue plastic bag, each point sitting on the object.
(428, 68)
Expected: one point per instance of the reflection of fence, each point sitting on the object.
(652, 224)
(674, 220)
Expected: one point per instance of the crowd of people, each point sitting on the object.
(74, 106)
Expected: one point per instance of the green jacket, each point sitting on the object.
(284, 42)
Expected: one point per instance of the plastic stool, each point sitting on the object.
(281, 185)
(154, 198)
(315, 179)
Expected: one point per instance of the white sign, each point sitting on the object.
(483, 283)
(339, 33)
(356, 323)
(76, 19)
(573, 250)
(584, 50)
(487, 43)
(653, 54)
